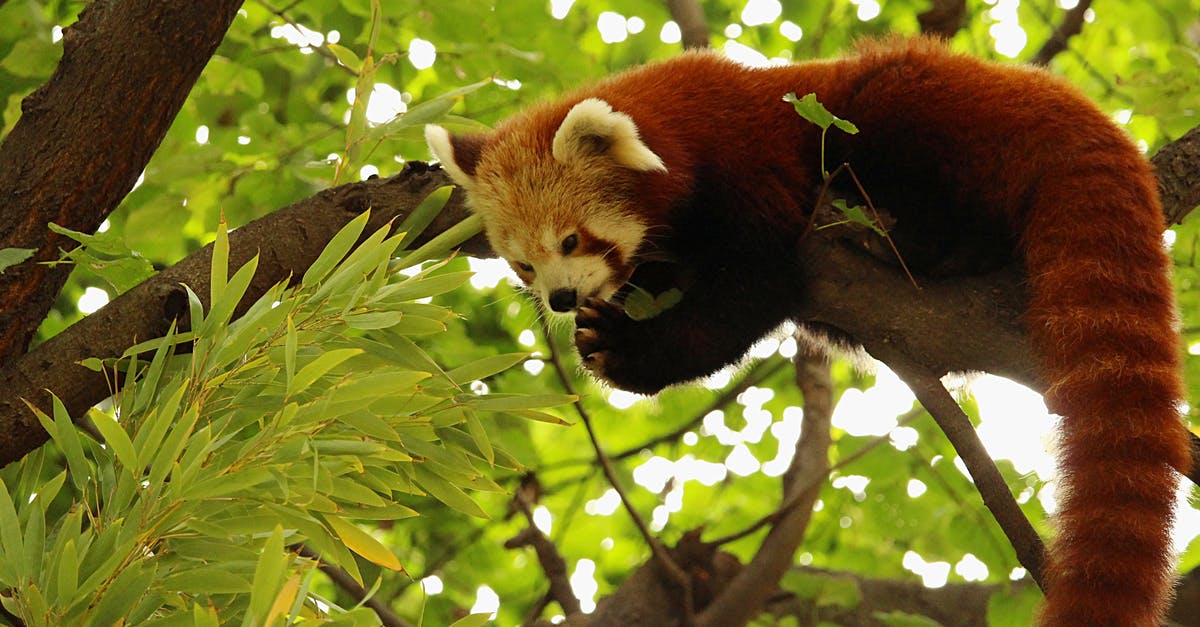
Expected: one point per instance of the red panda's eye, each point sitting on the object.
(524, 266)
(569, 244)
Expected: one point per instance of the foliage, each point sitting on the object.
(271, 122)
(314, 409)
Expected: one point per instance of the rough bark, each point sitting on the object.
(86, 135)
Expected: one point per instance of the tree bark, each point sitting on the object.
(86, 135)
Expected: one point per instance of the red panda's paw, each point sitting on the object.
(608, 346)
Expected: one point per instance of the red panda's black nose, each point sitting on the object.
(562, 300)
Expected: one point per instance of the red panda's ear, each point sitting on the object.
(592, 129)
(459, 154)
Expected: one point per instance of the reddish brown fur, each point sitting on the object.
(968, 155)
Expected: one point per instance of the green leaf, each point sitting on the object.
(444, 242)
(480, 437)
(473, 620)
(812, 110)
(268, 577)
(117, 440)
(68, 440)
(363, 543)
(319, 367)
(345, 56)
(642, 305)
(10, 533)
(122, 595)
(420, 217)
(447, 492)
(10, 257)
(857, 214)
(509, 402)
(206, 580)
(219, 268)
(486, 367)
(338, 247)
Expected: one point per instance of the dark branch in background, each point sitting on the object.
(748, 592)
(943, 18)
(689, 15)
(1070, 26)
(664, 560)
(954, 423)
(548, 556)
(343, 580)
(126, 69)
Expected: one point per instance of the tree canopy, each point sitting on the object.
(338, 419)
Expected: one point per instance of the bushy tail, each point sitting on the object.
(1102, 321)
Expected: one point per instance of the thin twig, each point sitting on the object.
(879, 223)
(758, 373)
(343, 580)
(791, 502)
(656, 547)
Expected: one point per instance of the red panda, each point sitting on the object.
(699, 161)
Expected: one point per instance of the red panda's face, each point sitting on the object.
(562, 211)
(564, 264)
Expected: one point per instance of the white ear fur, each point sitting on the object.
(438, 139)
(593, 126)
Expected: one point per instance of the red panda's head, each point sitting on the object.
(560, 206)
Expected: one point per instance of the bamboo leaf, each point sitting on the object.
(219, 269)
(473, 620)
(72, 448)
(268, 576)
(117, 439)
(447, 492)
(10, 533)
(319, 367)
(444, 242)
(337, 248)
(363, 543)
(419, 218)
(486, 367)
(122, 596)
(509, 402)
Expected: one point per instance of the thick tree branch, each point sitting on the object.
(85, 136)
(1178, 168)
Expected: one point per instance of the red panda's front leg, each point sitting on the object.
(691, 340)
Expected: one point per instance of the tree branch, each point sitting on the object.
(662, 557)
(548, 556)
(85, 136)
(286, 241)
(991, 485)
(1070, 26)
(343, 580)
(689, 15)
(943, 18)
(749, 590)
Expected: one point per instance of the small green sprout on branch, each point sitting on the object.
(812, 110)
